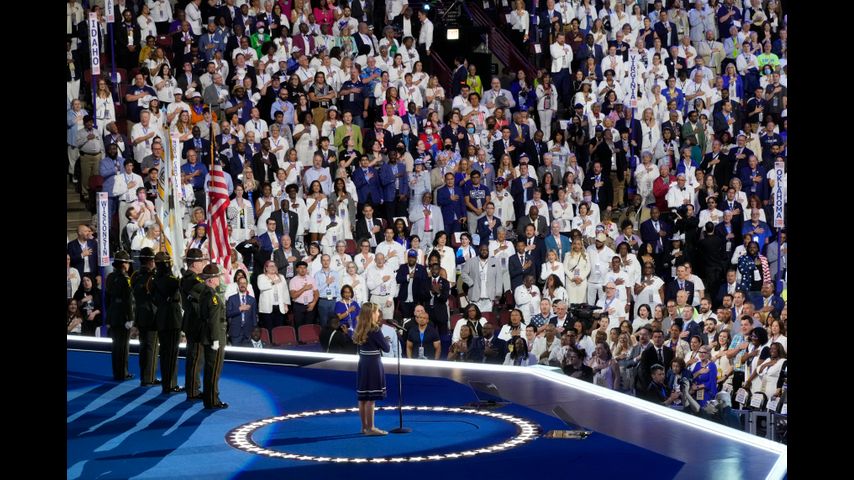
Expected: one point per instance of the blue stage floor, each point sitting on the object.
(121, 430)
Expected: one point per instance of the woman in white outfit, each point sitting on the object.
(577, 267)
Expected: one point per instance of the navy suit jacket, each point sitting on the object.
(420, 287)
(387, 181)
(649, 234)
(204, 156)
(459, 78)
(667, 40)
(672, 287)
(517, 273)
(517, 190)
(497, 344)
(777, 302)
(367, 190)
(232, 312)
(265, 247)
(73, 249)
(451, 210)
(585, 51)
(514, 131)
(484, 231)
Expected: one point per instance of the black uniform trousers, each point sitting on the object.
(169, 340)
(193, 369)
(121, 349)
(147, 355)
(213, 369)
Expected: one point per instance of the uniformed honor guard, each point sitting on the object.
(167, 303)
(120, 313)
(141, 285)
(196, 262)
(213, 334)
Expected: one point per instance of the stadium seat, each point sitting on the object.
(265, 335)
(284, 335)
(454, 319)
(309, 333)
(504, 317)
(351, 248)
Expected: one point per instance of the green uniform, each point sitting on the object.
(120, 310)
(167, 316)
(141, 284)
(191, 328)
(212, 313)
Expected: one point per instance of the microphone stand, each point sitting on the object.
(401, 428)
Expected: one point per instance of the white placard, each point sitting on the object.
(103, 230)
(634, 59)
(772, 405)
(777, 195)
(741, 396)
(94, 48)
(756, 401)
(785, 410)
(110, 7)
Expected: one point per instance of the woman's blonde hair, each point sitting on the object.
(365, 323)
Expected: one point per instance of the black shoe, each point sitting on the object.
(173, 390)
(218, 406)
(157, 381)
(128, 376)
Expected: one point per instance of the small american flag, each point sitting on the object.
(217, 205)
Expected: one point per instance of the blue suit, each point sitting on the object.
(452, 211)
(565, 244)
(387, 182)
(514, 131)
(776, 302)
(240, 324)
(486, 234)
(265, 247)
(367, 190)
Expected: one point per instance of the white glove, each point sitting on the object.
(215, 345)
(128, 325)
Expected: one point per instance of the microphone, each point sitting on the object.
(397, 326)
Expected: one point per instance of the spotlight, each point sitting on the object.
(453, 34)
(426, 7)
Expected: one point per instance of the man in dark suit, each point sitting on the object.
(738, 159)
(536, 149)
(367, 182)
(450, 199)
(267, 242)
(726, 120)
(407, 16)
(264, 163)
(394, 183)
(681, 282)
(535, 220)
(590, 49)
(666, 31)
(522, 189)
(414, 282)
(241, 311)
(127, 56)
(657, 353)
(657, 390)
(362, 10)
(717, 163)
(436, 303)
(286, 256)
(521, 264)
(202, 146)
(287, 221)
(632, 125)
(506, 145)
(378, 133)
(494, 348)
(408, 140)
(460, 75)
(656, 230)
(550, 23)
(729, 204)
(369, 226)
(519, 131)
(599, 184)
(182, 42)
(84, 252)
(488, 224)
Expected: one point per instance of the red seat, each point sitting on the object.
(284, 336)
(454, 319)
(351, 248)
(453, 302)
(309, 333)
(265, 335)
(504, 317)
(489, 316)
(164, 41)
(509, 300)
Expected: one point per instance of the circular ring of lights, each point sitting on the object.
(241, 437)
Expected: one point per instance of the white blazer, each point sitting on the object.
(265, 299)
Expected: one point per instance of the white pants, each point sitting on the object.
(72, 90)
(594, 292)
(472, 221)
(386, 304)
(485, 305)
(546, 123)
(73, 156)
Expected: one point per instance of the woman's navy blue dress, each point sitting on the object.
(371, 373)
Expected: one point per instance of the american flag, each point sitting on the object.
(217, 205)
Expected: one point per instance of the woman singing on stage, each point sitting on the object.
(371, 383)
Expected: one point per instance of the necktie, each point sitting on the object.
(660, 356)
(427, 226)
(242, 314)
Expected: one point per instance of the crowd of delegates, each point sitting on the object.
(355, 177)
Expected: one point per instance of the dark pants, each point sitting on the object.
(169, 340)
(239, 332)
(147, 355)
(325, 309)
(213, 370)
(396, 208)
(201, 197)
(302, 316)
(121, 347)
(439, 316)
(271, 320)
(193, 368)
(407, 309)
(561, 82)
(422, 55)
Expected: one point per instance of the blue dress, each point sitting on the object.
(371, 376)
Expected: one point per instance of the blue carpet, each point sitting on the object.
(120, 430)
